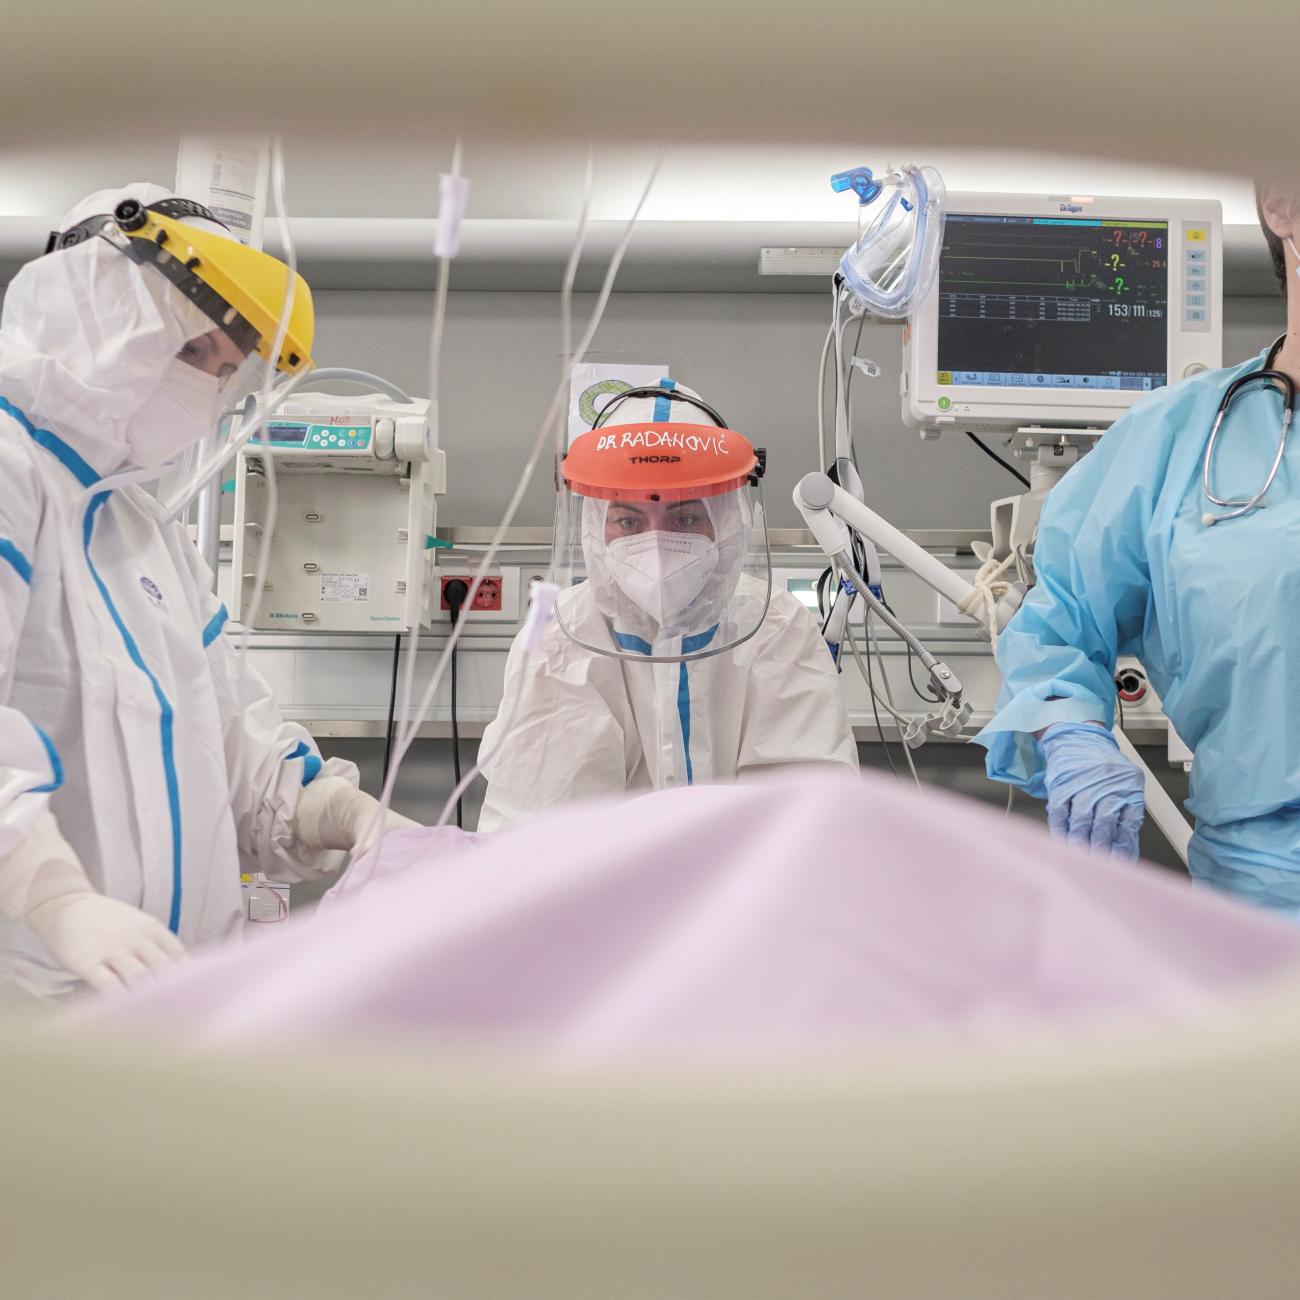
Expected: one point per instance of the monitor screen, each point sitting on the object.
(288, 433)
(1047, 302)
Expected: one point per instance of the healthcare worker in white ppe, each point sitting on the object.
(670, 659)
(124, 821)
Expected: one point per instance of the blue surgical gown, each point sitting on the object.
(1126, 566)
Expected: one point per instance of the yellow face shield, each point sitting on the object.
(240, 289)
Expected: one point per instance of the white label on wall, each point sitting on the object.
(345, 587)
(230, 176)
(596, 383)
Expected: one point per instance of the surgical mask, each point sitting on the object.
(660, 572)
(181, 411)
(1290, 243)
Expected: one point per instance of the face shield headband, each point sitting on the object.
(240, 289)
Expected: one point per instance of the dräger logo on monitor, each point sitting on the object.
(1071, 207)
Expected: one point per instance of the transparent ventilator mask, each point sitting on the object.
(664, 519)
(893, 262)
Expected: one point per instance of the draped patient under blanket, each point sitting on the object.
(812, 911)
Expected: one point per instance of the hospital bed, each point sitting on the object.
(1106, 1164)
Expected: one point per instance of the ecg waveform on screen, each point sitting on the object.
(1066, 274)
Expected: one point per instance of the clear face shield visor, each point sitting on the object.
(240, 292)
(894, 260)
(664, 524)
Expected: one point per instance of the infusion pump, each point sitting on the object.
(357, 482)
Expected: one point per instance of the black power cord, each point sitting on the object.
(392, 709)
(928, 696)
(1006, 464)
(454, 592)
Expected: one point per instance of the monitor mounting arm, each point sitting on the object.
(831, 513)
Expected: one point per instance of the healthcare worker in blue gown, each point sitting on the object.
(1129, 564)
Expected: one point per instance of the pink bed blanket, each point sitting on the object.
(810, 911)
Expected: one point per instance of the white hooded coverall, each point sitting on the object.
(118, 708)
(577, 724)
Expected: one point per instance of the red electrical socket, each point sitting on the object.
(488, 596)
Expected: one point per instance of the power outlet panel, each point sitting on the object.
(496, 601)
(487, 597)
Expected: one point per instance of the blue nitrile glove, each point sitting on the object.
(1094, 793)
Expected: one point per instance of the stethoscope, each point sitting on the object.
(1235, 507)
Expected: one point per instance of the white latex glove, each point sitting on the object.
(100, 940)
(333, 814)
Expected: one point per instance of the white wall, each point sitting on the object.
(753, 356)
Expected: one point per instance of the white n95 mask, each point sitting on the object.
(661, 572)
(181, 411)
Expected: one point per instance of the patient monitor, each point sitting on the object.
(1050, 316)
(1060, 312)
